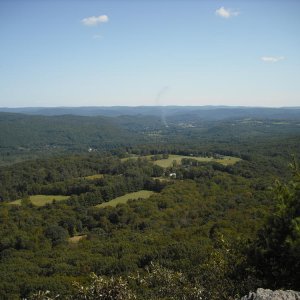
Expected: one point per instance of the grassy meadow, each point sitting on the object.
(41, 200)
(168, 162)
(76, 238)
(94, 177)
(165, 163)
(123, 199)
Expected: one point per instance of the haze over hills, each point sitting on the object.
(203, 112)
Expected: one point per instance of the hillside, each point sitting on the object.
(200, 112)
(74, 212)
(24, 137)
(205, 224)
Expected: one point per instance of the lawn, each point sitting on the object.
(123, 199)
(41, 200)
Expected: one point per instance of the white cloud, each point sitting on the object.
(93, 21)
(272, 59)
(226, 12)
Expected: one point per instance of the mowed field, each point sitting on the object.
(123, 199)
(41, 200)
(168, 162)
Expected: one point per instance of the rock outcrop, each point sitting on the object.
(262, 294)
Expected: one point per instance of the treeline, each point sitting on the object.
(27, 177)
(67, 176)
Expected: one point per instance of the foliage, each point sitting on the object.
(41, 295)
(197, 228)
(277, 249)
(157, 283)
(225, 272)
(103, 289)
(163, 283)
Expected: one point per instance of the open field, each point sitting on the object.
(41, 200)
(94, 177)
(133, 156)
(165, 163)
(123, 199)
(75, 239)
(162, 179)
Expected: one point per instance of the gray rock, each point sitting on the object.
(262, 294)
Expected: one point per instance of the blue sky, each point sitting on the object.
(130, 52)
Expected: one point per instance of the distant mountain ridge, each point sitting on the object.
(204, 112)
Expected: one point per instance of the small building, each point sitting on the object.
(172, 175)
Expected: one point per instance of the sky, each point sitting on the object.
(149, 52)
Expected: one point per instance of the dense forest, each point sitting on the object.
(222, 218)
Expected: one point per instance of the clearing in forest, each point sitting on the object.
(132, 156)
(168, 162)
(123, 199)
(41, 200)
(94, 177)
(76, 238)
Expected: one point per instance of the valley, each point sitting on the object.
(198, 199)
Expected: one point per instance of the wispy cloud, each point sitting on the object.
(97, 36)
(93, 21)
(272, 59)
(226, 12)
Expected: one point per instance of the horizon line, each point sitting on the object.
(150, 106)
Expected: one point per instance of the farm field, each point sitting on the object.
(165, 163)
(123, 199)
(41, 200)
